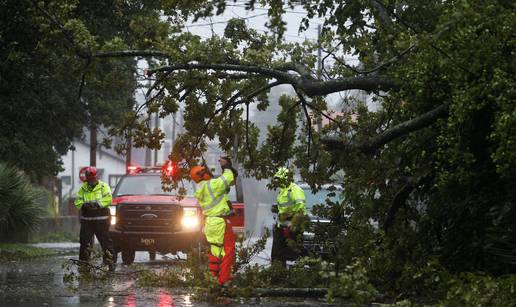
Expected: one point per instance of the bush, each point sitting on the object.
(354, 284)
(477, 290)
(19, 202)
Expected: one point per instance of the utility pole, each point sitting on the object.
(128, 154)
(93, 145)
(156, 126)
(173, 139)
(238, 182)
(318, 117)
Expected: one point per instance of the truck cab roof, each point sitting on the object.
(145, 187)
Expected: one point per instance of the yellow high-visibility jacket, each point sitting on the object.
(213, 198)
(291, 201)
(100, 193)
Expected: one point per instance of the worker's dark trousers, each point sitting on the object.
(100, 229)
(282, 249)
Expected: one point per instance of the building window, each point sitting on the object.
(66, 180)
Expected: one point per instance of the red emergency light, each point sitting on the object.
(170, 169)
(133, 169)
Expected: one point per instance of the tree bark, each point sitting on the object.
(130, 53)
(309, 86)
(369, 147)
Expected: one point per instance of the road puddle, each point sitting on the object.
(39, 282)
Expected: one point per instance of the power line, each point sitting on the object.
(264, 9)
(220, 22)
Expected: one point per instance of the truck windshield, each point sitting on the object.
(146, 185)
(319, 197)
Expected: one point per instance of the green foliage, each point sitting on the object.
(442, 195)
(478, 290)
(245, 253)
(78, 272)
(353, 283)
(47, 49)
(20, 208)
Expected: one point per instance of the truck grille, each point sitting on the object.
(149, 217)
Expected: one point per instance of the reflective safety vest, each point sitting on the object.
(291, 200)
(213, 198)
(100, 193)
(213, 194)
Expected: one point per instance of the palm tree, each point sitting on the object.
(20, 209)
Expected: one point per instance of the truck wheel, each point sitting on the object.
(128, 257)
(152, 255)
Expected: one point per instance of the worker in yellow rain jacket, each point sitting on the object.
(212, 194)
(93, 201)
(291, 210)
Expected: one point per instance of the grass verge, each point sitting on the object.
(58, 236)
(13, 251)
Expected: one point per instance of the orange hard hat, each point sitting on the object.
(199, 173)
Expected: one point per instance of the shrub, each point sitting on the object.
(477, 290)
(19, 202)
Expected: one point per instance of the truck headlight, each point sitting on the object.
(190, 218)
(112, 211)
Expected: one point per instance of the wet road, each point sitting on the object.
(39, 282)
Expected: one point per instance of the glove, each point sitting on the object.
(91, 205)
(225, 163)
(274, 208)
(230, 167)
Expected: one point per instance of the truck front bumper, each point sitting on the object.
(164, 242)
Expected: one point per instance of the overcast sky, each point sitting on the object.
(256, 19)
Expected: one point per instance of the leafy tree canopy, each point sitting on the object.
(51, 85)
(432, 165)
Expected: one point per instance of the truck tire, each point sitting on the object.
(128, 257)
(152, 255)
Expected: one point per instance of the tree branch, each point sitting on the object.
(400, 199)
(382, 13)
(392, 60)
(233, 102)
(300, 69)
(366, 83)
(83, 79)
(308, 121)
(369, 147)
(284, 130)
(273, 73)
(308, 86)
(329, 118)
(130, 53)
(247, 145)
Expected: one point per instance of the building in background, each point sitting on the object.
(110, 165)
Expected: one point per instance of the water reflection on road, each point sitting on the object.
(39, 282)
